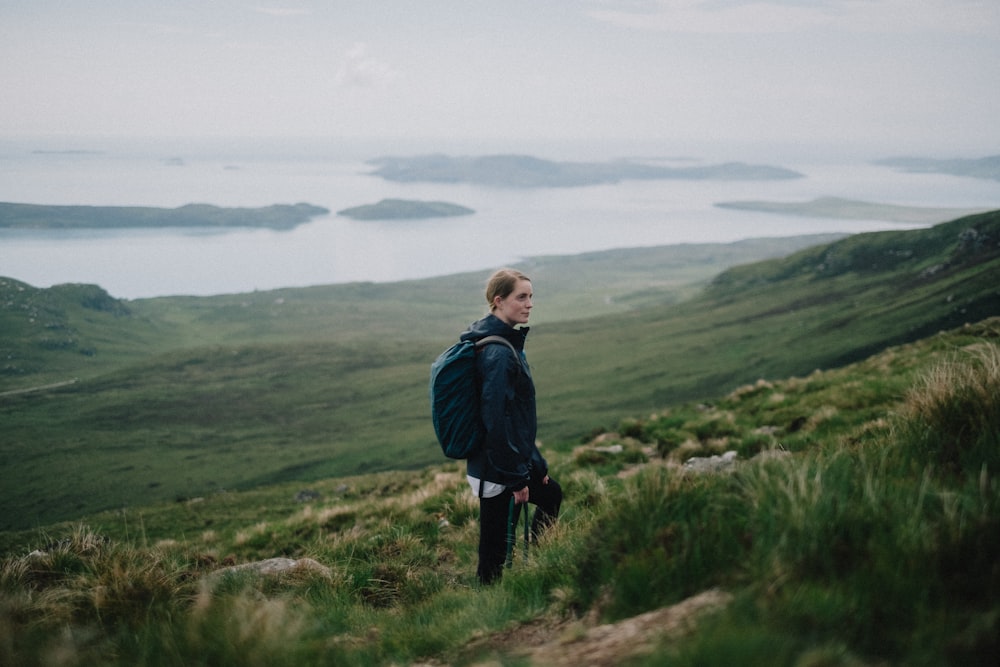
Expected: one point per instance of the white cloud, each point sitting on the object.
(360, 70)
(282, 11)
(782, 16)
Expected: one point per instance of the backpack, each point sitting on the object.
(454, 392)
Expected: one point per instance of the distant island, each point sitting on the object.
(987, 167)
(404, 209)
(43, 216)
(850, 209)
(522, 171)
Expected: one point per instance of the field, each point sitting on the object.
(177, 398)
(172, 398)
(850, 527)
(786, 462)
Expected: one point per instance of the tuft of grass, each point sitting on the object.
(951, 418)
(664, 538)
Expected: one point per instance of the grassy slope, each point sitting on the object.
(863, 549)
(54, 334)
(181, 396)
(243, 413)
(819, 308)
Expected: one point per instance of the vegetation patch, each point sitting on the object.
(186, 397)
(867, 544)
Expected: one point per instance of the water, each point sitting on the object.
(508, 224)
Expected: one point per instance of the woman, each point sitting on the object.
(509, 465)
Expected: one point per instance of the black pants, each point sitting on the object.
(493, 515)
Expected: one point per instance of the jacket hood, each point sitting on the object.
(491, 325)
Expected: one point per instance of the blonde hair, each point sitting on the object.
(501, 284)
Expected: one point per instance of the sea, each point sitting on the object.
(508, 225)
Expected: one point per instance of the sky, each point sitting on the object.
(914, 77)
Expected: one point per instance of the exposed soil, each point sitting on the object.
(580, 643)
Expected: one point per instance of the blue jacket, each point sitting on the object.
(507, 400)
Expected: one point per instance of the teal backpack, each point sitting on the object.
(454, 391)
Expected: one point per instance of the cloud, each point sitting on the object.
(282, 11)
(359, 70)
(782, 16)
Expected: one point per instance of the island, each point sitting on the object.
(986, 167)
(46, 217)
(522, 171)
(851, 209)
(404, 209)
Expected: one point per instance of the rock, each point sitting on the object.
(277, 566)
(711, 463)
(306, 495)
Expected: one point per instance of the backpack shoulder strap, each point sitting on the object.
(482, 342)
(495, 339)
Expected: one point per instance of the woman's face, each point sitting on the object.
(516, 306)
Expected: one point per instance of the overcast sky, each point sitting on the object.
(905, 76)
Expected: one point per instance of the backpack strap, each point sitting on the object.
(482, 342)
(495, 339)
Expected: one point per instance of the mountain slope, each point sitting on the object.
(73, 330)
(819, 308)
(50, 335)
(255, 408)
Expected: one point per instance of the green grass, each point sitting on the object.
(182, 397)
(854, 531)
(818, 308)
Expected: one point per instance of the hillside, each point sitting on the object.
(81, 330)
(822, 307)
(300, 386)
(854, 520)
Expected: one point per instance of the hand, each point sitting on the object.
(545, 480)
(521, 497)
